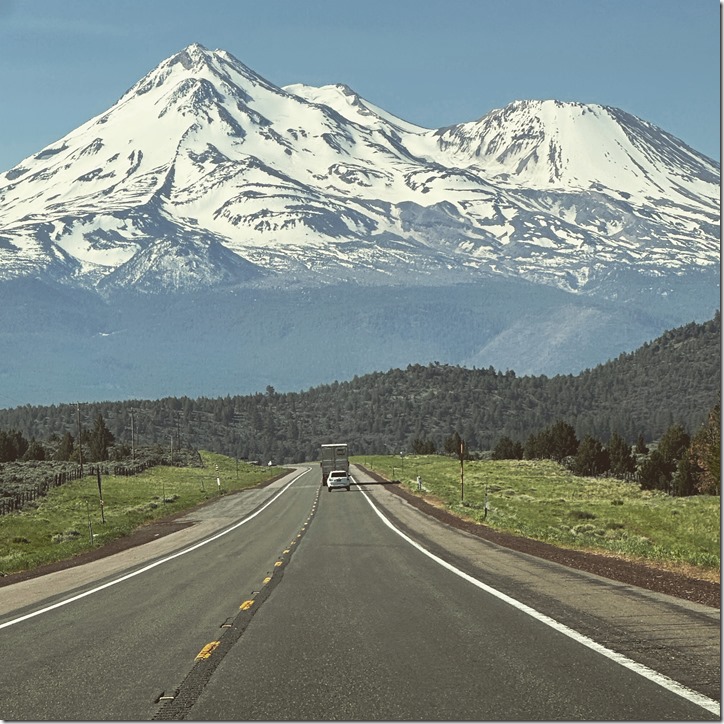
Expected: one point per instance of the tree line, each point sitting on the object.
(679, 464)
(96, 441)
(673, 380)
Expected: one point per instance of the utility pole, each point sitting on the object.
(237, 436)
(133, 448)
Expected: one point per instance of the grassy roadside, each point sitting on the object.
(543, 500)
(60, 525)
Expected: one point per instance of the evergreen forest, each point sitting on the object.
(673, 380)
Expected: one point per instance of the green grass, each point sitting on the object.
(59, 525)
(543, 500)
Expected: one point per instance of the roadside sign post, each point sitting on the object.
(462, 472)
(100, 493)
(90, 522)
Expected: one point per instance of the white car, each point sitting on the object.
(338, 479)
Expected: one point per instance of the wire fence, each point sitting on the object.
(14, 500)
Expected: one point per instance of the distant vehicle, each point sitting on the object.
(338, 479)
(335, 456)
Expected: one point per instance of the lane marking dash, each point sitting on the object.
(207, 651)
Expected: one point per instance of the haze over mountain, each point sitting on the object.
(210, 206)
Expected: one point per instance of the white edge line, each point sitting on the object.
(664, 681)
(148, 567)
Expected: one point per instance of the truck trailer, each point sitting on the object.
(335, 456)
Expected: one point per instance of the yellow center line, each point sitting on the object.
(266, 580)
(207, 651)
(247, 604)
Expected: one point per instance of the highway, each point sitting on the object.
(291, 602)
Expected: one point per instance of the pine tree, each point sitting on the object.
(619, 452)
(562, 441)
(65, 449)
(507, 449)
(706, 451)
(100, 439)
(35, 451)
(686, 477)
(655, 472)
(452, 444)
(12, 446)
(422, 447)
(673, 444)
(555, 442)
(591, 458)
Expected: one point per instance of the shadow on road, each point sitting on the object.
(365, 484)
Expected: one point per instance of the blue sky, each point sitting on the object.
(431, 62)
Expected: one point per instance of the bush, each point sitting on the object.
(65, 536)
(581, 515)
(507, 449)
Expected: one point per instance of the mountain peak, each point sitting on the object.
(190, 55)
(318, 185)
(189, 62)
(197, 62)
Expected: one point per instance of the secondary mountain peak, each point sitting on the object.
(571, 145)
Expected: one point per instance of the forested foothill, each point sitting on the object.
(652, 414)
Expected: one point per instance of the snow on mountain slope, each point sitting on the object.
(550, 144)
(352, 106)
(206, 174)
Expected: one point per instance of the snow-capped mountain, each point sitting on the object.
(205, 174)
(545, 237)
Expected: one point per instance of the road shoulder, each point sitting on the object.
(674, 636)
(148, 543)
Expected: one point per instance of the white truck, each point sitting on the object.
(335, 458)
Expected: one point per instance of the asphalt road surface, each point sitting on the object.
(292, 602)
